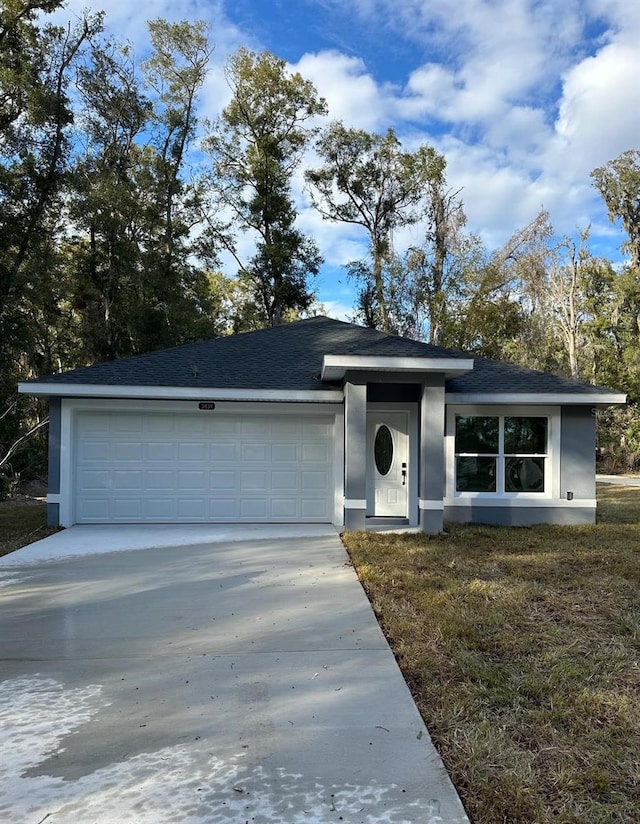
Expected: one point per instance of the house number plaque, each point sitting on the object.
(207, 405)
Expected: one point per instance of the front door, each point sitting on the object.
(387, 464)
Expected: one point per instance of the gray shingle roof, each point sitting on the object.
(496, 376)
(290, 357)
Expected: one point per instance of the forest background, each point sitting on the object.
(128, 224)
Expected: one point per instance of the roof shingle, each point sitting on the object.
(290, 357)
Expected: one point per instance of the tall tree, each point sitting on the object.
(618, 181)
(107, 207)
(256, 146)
(36, 62)
(175, 73)
(568, 286)
(367, 180)
(438, 266)
(137, 286)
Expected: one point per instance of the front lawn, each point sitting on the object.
(22, 523)
(522, 650)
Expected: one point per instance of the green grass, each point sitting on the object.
(22, 524)
(522, 650)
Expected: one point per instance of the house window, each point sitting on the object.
(501, 453)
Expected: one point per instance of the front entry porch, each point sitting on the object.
(394, 452)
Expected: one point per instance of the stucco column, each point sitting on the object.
(355, 455)
(432, 464)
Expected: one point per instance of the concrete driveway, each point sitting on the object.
(619, 480)
(234, 675)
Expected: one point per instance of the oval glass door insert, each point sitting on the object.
(383, 450)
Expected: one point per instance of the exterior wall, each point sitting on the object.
(53, 488)
(578, 453)
(520, 516)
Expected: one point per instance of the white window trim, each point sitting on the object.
(552, 469)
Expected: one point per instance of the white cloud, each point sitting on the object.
(599, 113)
(352, 94)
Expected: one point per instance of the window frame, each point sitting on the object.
(551, 456)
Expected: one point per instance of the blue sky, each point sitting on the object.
(523, 97)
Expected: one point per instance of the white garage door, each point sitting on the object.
(160, 467)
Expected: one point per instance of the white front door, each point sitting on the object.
(387, 464)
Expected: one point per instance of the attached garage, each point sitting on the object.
(199, 467)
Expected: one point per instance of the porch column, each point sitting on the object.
(432, 464)
(355, 454)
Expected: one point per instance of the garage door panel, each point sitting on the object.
(253, 480)
(224, 509)
(222, 480)
(128, 451)
(131, 424)
(312, 452)
(255, 427)
(192, 480)
(126, 509)
(160, 424)
(159, 509)
(159, 451)
(254, 509)
(253, 452)
(127, 479)
(315, 480)
(315, 429)
(96, 451)
(219, 426)
(314, 509)
(190, 426)
(196, 451)
(93, 509)
(279, 428)
(193, 509)
(164, 479)
(93, 479)
(284, 480)
(284, 452)
(284, 508)
(220, 452)
(160, 467)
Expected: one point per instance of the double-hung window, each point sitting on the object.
(502, 454)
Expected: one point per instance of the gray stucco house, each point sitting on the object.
(319, 421)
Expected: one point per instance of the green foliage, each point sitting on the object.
(618, 182)
(256, 146)
(367, 180)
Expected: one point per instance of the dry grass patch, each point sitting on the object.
(22, 523)
(522, 649)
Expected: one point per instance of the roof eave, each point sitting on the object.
(334, 367)
(82, 390)
(596, 399)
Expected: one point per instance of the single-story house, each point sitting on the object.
(319, 421)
